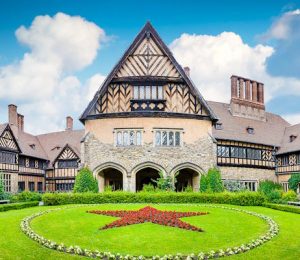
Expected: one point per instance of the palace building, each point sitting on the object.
(147, 118)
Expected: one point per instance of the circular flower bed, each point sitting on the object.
(272, 231)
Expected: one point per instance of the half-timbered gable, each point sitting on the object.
(148, 81)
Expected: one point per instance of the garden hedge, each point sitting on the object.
(7, 207)
(242, 198)
(281, 207)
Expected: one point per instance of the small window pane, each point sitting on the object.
(164, 138)
(142, 92)
(126, 139)
(171, 138)
(157, 138)
(177, 138)
(119, 138)
(136, 92)
(154, 92)
(160, 92)
(131, 138)
(148, 92)
(138, 138)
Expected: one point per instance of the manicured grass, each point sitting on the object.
(75, 226)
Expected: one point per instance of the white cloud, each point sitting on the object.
(213, 59)
(292, 118)
(43, 83)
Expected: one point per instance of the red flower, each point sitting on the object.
(149, 214)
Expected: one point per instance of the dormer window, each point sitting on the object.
(148, 92)
(218, 126)
(55, 148)
(32, 146)
(292, 138)
(250, 130)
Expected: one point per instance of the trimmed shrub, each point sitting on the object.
(289, 196)
(242, 198)
(294, 181)
(26, 196)
(212, 181)
(85, 181)
(22, 205)
(271, 190)
(281, 207)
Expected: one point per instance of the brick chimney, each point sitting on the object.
(20, 122)
(187, 71)
(247, 98)
(69, 123)
(13, 118)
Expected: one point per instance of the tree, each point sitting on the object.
(85, 181)
(294, 181)
(165, 183)
(211, 182)
(2, 192)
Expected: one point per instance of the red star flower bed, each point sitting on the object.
(149, 214)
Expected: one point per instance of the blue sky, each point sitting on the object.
(256, 23)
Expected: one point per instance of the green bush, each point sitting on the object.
(211, 182)
(85, 181)
(281, 207)
(148, 188)
(7, 207)
(289, 196)
(165, 183)
(294, 181)
(108, 188)
(26, 196)
(271, 190)
(189, 188)
(236, 198)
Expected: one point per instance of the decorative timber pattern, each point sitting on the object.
(7, 141)
(232, 153)
(287, 163)
(179, 99)
(148, 60)
(67, 154)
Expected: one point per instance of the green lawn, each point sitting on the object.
(223, 228)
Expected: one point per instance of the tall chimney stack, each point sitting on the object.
(187, 71)
(69, 123)
(12, 115)
(20, 122)
(247, 98)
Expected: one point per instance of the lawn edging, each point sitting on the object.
(234, 198)
(282, 207)
(20, 205)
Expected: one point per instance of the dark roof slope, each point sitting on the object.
(234, 128)
(53, 143)
(286, 145)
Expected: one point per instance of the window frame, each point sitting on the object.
(160, 132)
(148, 92)
(122, 137)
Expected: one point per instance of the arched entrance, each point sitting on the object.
(187, 175)
(110, 175)
(146, 176)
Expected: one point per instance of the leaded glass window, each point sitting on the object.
(148, 92)
(128, 137)
(167, 138)
(164, 138)
(171, 139)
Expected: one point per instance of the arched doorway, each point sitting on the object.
(108, 175)
(186, 178)
(146, 176)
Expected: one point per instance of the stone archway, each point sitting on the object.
(145, 173)
(110, 174)
(187, 174)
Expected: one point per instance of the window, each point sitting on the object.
(285, 186)
(250, 130)
(292, 138)
(223, 151)
(167, 138)
(21, 185)
(67, 164)
(40, 187)
(6, 180)
(218, 126)
(7, 157)
(243, 153)
(64, 186)
(254, 154)
(250, 185)
(148, 92)
(128, 137)
(31, 186)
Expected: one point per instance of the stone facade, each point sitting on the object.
(198, 156)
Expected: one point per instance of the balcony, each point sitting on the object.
(147, 104)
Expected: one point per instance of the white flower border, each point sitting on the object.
(76, 250)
